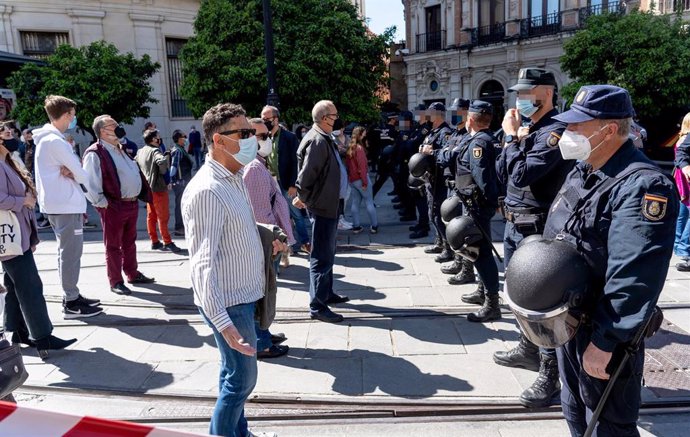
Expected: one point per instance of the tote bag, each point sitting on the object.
(10, 234)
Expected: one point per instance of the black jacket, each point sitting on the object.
(318, 180)
(287, 159)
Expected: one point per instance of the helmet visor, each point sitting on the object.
(549, 329)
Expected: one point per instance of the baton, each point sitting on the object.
(484, 234)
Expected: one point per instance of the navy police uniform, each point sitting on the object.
(621, 218)
(477, 185)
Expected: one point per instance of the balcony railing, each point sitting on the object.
(541, 25)
(432, 41)
(613, 7)
(492, 34)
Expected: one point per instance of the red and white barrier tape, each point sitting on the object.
(18, 421)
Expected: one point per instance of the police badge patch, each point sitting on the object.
(553, 140)
(477, 152)
(654, 207)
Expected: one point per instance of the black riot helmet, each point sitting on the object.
(420, 163)
(546, 285)
(451, 208)
(415, 183)
(464, 237)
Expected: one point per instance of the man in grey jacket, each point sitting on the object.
(321, 182)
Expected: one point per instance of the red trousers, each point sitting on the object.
(158, 213)
(119, 221)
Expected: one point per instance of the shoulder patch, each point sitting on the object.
(477, 152)
(654, 207)
(553, 140)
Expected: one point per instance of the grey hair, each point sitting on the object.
(98, 124)
(256, 120)
(623, 125)
(320, 110)
(274, 110)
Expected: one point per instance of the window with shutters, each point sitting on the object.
(178, 106)
(40, 45)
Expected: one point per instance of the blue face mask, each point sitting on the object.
(456, 120)
(248, 148)
(73, 123)
(526, 108)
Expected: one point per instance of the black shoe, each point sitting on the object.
(464, 277)
(398, 206)
(326, 315)
(392, 193)
(436, 248)
(374, 230)
(157, 246)
(547, 386)
(683, 267)
(335, 298)
(357, 229)
(121, 288)
(488, 312)
(141, 279)
(22, 338)
(179, 232)
(408, 218)
(422, 233)
(85, 301)
(476, 297)
(452, 269)
(274, 351)
(76, 309)
(444, 256)
(414, 228)
(278, 338)
(51, 342)
(524, 356)
(171, 247)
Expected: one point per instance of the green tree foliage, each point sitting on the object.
(99, 78)
(322, 51)
(645, 53)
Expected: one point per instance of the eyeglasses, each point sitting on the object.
(262, 137)
(266, 120)
(336, 115)
(244, 133)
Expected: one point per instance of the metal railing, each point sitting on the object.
(491, 34)
(613, 7)
(431, 41)
(549, 24)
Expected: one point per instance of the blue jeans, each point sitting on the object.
(237, 375)
(301, 233)
(681, 247)
(321, 261)
(197, 156)
(359, 194)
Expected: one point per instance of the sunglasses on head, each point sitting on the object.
(244, 133)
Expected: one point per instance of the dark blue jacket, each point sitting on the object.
(194, 139)
(287, 159)
(626, 235)
(479, 159)
(683, 153)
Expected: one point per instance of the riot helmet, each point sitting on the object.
(451, 208)
(415, 183)
(546, 285)
(420, 163)
(464, 237)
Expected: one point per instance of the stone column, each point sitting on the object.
(6, 39)
(87, 26)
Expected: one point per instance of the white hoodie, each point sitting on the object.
(57, 194)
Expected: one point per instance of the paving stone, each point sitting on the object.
(184, 377)
(328, 340)
(426, 296)
(183, 343)
(425, 337)
(371, 336)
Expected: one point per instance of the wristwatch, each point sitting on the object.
(509, 139)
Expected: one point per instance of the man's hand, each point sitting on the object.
(427, 149)
(292, 192)
(298, 203)
(30, 201)
(522, 132)
(595, 360)
(66, 172)
(278, 247)
(686, 172)
(511, 122)
(234, 339)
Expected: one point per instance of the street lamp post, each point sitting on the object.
(272, 97)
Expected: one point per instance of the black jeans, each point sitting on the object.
(25, 306)
(178, 189)
(322, 258)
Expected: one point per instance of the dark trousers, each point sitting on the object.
(25, 306)
(436, 193)
(422, 207)
(581, 393)
(485, 263)
(119, 221)
(321, 260)
(178, 189)
(197, 156)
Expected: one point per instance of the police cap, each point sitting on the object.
(529, 78)
(460, 104)
(437, 106)
(481, 107)
(605, 102)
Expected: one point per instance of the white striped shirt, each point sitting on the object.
(225, 252)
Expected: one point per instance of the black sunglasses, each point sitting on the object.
(262, 137)
(244, 133)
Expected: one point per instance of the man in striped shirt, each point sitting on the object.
(226, 258)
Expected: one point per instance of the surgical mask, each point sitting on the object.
(73, 123)
(526, 108)
(265, 147)
(12, 144)
(577, 146)
(248, 148)
(186, 144)
(336, 133)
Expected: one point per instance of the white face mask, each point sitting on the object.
(336, 133)
(577, 146)
(265, 147)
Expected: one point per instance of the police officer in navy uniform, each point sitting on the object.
(403, 151)
(533, 170)
(446, 158)
(477, 185)
(619, 211)
(436, 188)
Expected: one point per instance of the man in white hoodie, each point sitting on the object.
(60, 182)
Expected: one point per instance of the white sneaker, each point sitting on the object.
(344, 225)
(262, 434)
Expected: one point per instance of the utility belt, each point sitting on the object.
(525, 220)
(450, 183)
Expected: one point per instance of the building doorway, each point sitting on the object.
(492, 91)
